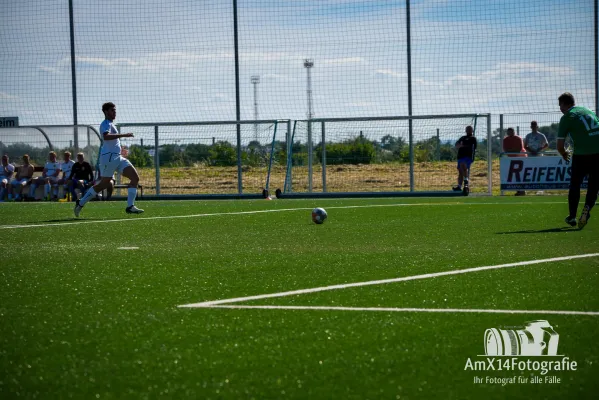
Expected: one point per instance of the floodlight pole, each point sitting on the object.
(308, 64)
(255, 79)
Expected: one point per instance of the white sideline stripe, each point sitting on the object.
(264, 211)
(418, 310)
(383, 281)
(149, 218)
(128, 248)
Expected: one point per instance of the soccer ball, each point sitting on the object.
(319, 215)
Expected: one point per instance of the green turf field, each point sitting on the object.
(80, 317)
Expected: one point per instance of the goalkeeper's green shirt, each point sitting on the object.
(583, 127)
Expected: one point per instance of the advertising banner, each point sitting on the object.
(535, 173)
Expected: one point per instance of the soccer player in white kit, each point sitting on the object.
(111, 161)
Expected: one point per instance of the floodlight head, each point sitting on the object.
(255, 79)
(308, 63)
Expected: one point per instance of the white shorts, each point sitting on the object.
(3, 179)
(112, 162)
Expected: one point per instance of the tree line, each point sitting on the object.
(355, 150)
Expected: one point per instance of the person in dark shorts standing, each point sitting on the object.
(466, 147)
(582, 125)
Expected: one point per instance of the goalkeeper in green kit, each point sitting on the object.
(582, 125)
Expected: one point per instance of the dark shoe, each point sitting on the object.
(457, 188)
(571, 221)
(133, 210)
(466, 190)
(584, 217)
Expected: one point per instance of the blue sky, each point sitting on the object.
(174, 61)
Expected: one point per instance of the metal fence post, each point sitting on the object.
(410, 122)
(438, 146)
(157, 159)
(73, 76)
(309, 156)
(324, 159)
(489, 156)
(289, 147)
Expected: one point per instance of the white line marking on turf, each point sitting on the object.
(383, 281)
(128, 248)
(79, 222)
(395, 309)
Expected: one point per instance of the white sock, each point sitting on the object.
(131, 194)
(90, 194)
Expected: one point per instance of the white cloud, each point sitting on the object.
(268, 56)
(392, 73)
(51, 70)
(511, 71)
(345, 60)
(96, 61)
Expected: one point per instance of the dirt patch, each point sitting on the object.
(201, 179)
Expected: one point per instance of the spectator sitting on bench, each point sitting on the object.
(24, 175)
(49, 178)
(66, 167)
(81, 177)
(6, 172)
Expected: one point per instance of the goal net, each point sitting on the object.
(202, 157)
(373, 154)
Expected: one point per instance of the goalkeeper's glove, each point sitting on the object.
(566, 156)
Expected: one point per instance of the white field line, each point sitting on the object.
(417, 310)
(80, 222)
(383, 281)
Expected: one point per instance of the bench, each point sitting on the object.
(140, 192)
(39, 192)
(125, 186)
